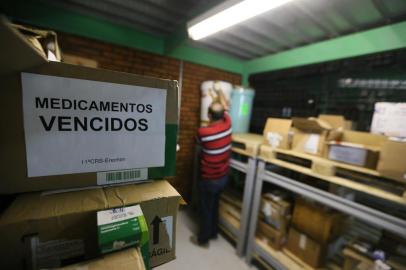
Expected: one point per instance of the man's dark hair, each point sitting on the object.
(216, 111)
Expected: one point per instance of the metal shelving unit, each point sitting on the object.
(240, 234)
(362, 212)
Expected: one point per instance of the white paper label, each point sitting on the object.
(118, 214)
(274, 139)
(302, 241)
(77, 126)
(389, 119)
(267, 209)
(117, 177)
(168, 221)
(312, 144)
(352, 155)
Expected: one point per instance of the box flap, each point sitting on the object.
(277, 125)
(132, 194)
(123, 260)
(335, 121)
(34, 206)
(364, 138)
(312, 125)
(22, 56)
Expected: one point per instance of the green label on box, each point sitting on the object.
(119, 228)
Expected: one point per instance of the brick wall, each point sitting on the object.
(134, 61)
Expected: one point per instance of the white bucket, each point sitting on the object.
(210, 91)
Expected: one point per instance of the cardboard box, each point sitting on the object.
(62, 228)
(128, 259)
(44, 41)
(274, 238)
(277, 132)
(320, 223)
(276, 211)
(389, 119)
(310, 135)
(305, 248)
(68, 126)
(392, 160)
(356, 148)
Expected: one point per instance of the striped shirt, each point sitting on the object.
(215, 140)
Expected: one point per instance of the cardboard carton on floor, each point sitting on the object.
(276, 211)
(320, 223)
(128, 259)
(310, 135)
(275, 238)
(356, 148)
(67, 126)
(305, 248)
(277, 133)
(392, 160)
(58, 229)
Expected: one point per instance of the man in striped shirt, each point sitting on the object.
(215, 141)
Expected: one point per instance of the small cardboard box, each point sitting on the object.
(305, 248)
(392, 160)
(277, 212)
(67, 126)
(277, 132)
(356, 148)
(320, 223)
(128, 259)
(275, 238)
(310, 135)
(58, 229)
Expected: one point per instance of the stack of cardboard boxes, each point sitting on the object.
(313, 228)
(330, 137)
(274, 219)
(76, 146)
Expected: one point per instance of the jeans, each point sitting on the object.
(209, 197)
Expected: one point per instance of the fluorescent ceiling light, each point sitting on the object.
(228, 14)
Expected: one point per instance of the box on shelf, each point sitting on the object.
(128, 259)
(274, 238)
(277, 132)
(389, 119)
(60, 228)
(355, 148)
(68, 126)
(276, 211)
(305, 248)
(320, 223)
(392, 160)
(310, 135)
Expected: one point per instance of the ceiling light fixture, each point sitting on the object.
(227, 14)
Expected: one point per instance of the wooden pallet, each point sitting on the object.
(349, 176)
(247, 144)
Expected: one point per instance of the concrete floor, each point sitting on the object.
(220, 255)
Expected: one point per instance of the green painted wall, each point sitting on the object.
(372, 41)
